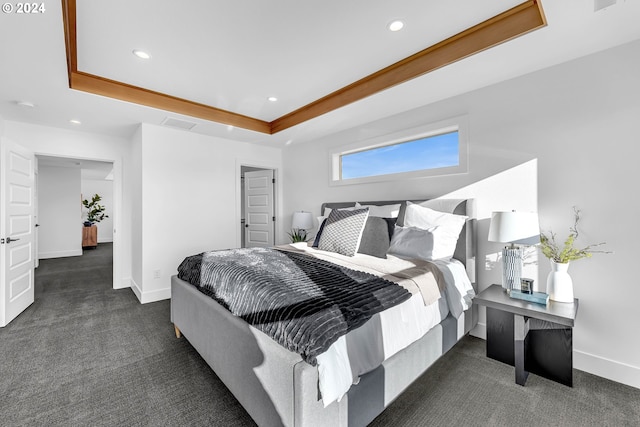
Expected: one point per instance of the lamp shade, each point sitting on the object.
(513, 227)
(302, 221)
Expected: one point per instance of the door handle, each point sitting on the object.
(9, 240)
(246, 225)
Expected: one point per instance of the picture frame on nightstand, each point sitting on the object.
(526, 285)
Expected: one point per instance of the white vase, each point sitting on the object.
(559, 283)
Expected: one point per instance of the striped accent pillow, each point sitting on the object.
(343, 231)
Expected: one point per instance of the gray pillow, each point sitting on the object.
(412, 243)
(417, 243)
(343, 230)
(377, 236)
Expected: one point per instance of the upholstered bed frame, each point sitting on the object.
(276, 387)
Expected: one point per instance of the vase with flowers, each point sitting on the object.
(559, 283)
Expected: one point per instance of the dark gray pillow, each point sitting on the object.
(376, 236)
(343, 230)
(316, 241)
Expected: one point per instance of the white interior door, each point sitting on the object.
(259, 208)
(16, 230)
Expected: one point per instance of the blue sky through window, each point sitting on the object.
(426, 153)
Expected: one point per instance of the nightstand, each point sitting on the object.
(532, 337)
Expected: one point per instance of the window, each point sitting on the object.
(432, 152)
(435, 149)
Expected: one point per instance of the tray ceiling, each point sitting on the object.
(232, 57)
(222, 61)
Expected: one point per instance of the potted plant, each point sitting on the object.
(95, 211)
(298, 235)
(559, 283)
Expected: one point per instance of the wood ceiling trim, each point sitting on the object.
(70, 36)
(508, 25)
(113, 89)
(118, 90)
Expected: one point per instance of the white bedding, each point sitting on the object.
(392, 330)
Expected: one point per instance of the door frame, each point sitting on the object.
(277, 190)
(119, 282)
(271, 224)
(36, 195)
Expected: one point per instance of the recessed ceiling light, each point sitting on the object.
(272, 98)
(75, 122)
(25, 104)
(141, 54)
(396, 25)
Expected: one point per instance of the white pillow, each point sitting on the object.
(448, 226)
(416, 243)
(440, 205)
(384, 211)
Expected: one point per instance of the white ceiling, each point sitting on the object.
(234, 56)
(230, 55)
(89, 169)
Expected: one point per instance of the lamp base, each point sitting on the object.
(511, 268)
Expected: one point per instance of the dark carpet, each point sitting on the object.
(87, 355)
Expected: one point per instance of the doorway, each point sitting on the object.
(22, 216)
(257, 198)
(62, 186)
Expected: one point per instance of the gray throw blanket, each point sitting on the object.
(303, 303)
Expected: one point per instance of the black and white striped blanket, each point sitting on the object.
(303, 303)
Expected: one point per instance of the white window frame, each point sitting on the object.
(459, 124)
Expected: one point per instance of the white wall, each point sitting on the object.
(50, 141)
(549, 140)
(59, 212)
(133, 181)
(190, 199)
(105, 189)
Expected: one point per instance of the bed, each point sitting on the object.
(277, 386)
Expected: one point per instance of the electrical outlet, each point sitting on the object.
(156, 274)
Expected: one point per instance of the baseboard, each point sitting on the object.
(136, 289)
(150, 296)
(607, 368)
(156, 295)
(60, 254)
(125, 283)
(480, 331)
(107, 240)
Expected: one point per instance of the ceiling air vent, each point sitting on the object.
(177, 123)
(601, 4)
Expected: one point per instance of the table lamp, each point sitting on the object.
(514, 228)
(302, 221)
